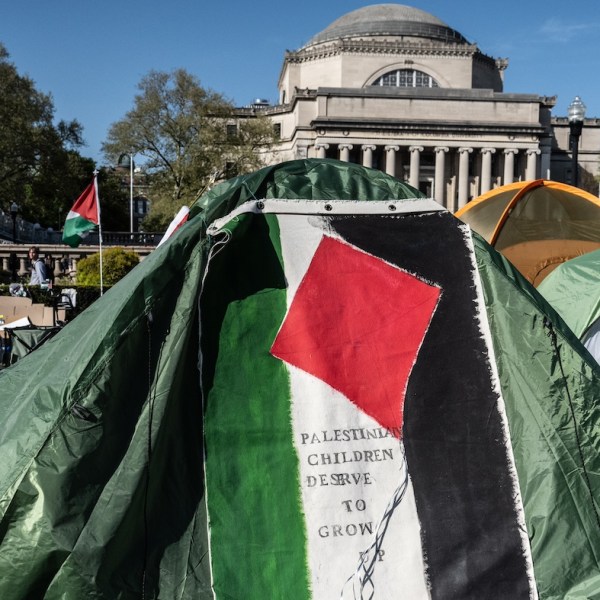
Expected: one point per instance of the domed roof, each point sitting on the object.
(388, 19)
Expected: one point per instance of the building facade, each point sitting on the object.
(395, 88)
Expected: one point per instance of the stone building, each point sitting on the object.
(395, 88)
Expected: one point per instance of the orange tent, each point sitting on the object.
(537, 224)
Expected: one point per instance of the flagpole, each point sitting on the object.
(99, 229)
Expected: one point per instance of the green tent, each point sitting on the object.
(573, 290)
(321, 383)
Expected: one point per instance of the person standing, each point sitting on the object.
(38, 267)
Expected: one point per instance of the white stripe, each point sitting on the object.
(329, 207)
(484, 328)
(342, 520)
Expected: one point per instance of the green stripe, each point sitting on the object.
(258, 542)
(75, 229)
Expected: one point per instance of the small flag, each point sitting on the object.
(83, 217)
(180, 218)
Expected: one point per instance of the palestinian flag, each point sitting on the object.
(83, 217)
(356, 436)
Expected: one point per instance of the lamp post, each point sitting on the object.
(576, 114)
(123, 163)
(14, 211)
(131, 193)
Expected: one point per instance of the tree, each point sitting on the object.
(53, 185)
(188, 136)
(25, 119)
(40, 168)
(114, 201)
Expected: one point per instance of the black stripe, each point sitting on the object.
(452, 430)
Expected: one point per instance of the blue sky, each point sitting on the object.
(90, 56)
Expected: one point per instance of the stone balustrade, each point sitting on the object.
(63, 257)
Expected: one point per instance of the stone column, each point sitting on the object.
(463, 176)
(509, 165)
(486, 169)
(390, 159)
(415, 165)
(321, 150)
(531, 170)
(440, 173)
(345, 152)
(545, 158)
(23, 266)
(301, 151)
(367, 151)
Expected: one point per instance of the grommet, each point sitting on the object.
(260, 205)
(392, 207)
(328, 207)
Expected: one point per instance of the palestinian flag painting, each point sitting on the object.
(356, 437)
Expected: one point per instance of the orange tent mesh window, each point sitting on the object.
(536, 224)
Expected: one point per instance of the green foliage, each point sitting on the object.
(40, 168)
(25, 122)
(116, 263)
(189, 137)
(59, 179)
(114, 200)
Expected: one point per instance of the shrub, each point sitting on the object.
(116, 263)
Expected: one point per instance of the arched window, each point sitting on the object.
(406, 78)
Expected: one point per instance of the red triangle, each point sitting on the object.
(86, 205)
(357, 323)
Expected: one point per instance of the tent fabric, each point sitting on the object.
(544, 394)
(310, 179)
(130, 441)
(89, 458)
(573, 290)
(536, 224)
(591, 340)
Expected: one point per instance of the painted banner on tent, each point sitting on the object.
(355, 433)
